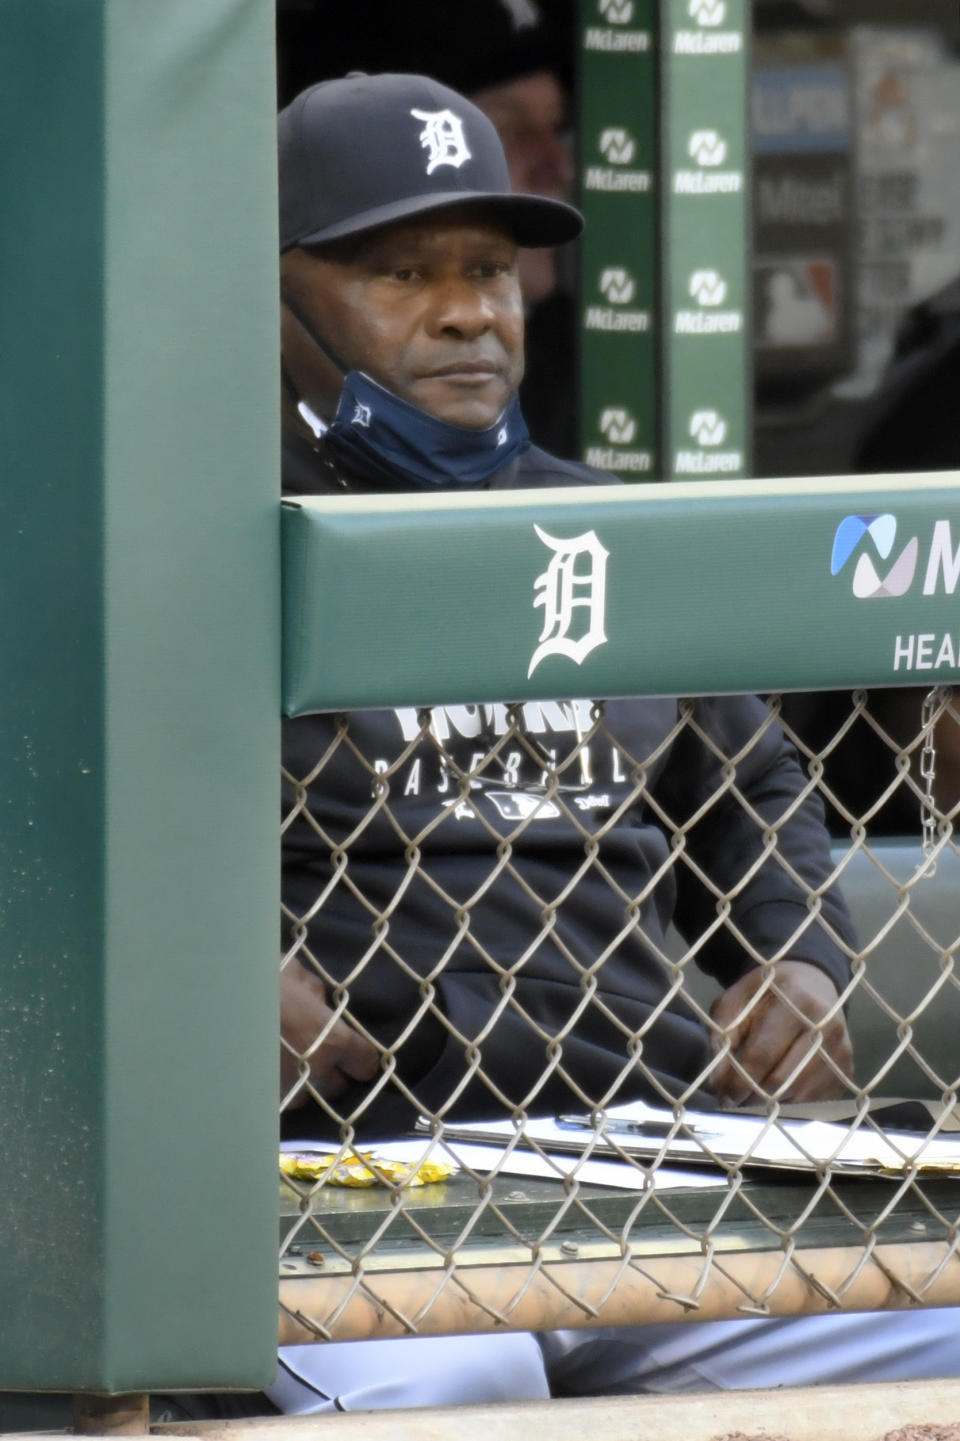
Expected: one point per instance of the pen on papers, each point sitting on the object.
(617, 1126)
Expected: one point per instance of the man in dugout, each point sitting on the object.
(467, 947)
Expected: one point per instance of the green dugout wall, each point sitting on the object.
(139, 673)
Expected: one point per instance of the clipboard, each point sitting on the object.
(727, 1140)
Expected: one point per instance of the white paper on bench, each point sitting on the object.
(794, 1144)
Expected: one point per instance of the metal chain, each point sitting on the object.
(928, 772)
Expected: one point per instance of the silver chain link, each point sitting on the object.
(928, 774)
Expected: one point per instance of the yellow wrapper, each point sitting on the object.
(923, 1168)
(359, 1170)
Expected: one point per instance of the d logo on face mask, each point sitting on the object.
(385, 438)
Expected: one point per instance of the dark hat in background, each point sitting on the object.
(368, 150)
(467, 44)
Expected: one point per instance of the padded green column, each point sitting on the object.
(665, 376)
(705, 361)
(619, 253)
(138, 840)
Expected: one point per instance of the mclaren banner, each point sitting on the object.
(664, 185)
(618, 255)
(697, 588)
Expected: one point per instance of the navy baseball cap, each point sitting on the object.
(367, 150)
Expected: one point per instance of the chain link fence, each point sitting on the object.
(533, 959)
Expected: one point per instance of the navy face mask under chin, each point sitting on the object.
(379, 435)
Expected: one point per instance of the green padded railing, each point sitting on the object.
(687, 588)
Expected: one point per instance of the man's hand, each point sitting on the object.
(343, 1056)
(769, 1041)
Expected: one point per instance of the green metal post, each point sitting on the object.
(139, 673)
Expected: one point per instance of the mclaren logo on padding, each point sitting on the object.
(881, 530)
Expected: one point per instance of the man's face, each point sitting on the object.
(430, 308)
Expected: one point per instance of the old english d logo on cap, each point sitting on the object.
(424, 147)
(442, 135)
